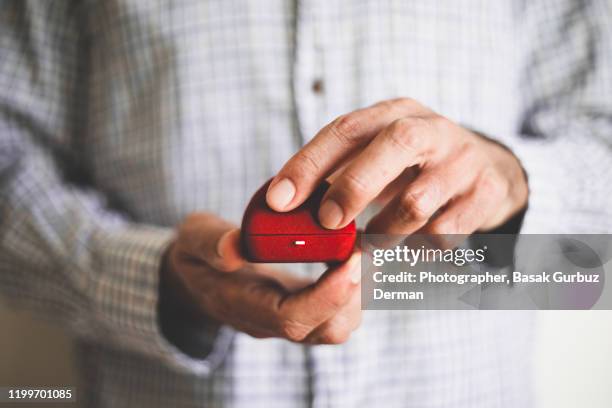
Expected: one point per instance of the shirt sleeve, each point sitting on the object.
(65, 252)
(565, 141)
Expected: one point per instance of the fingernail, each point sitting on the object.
(222, 243)
(281, 194)
(330, 214)
(355, 267)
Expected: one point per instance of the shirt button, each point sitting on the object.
(317, 86)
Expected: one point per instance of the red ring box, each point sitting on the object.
(293, 236)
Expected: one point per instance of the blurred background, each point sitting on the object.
(573, 356)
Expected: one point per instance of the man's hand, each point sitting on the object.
(204, 272)
(434, 176)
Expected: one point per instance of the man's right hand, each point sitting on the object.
(205, 276)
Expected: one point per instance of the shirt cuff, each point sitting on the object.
(547, 180)
(126, 297)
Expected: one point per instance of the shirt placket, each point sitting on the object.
(312, 112)
(308, 83)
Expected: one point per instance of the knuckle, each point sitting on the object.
(468, 152)
(444, 227)
(307, 161)
(465, 155)
(413, 208)
(405, 102)
(442, 124)
(389, 105)
(293, 330)
(335, 335)
(345, 128)
(354, 185)
(491, 185)
(407, 134)
(337, 300)
(404, 99)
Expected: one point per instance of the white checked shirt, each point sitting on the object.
(119, 117)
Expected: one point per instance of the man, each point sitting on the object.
(123, 119)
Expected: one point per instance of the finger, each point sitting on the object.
(244, 299)
(432, 189)
(405, 143)
(468, 212)
(338, 329)
(396, 186)
(300, 176)
(303, 311)
(228, 256)
(212, 240)
(288, 280)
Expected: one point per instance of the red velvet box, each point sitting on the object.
(294, 236)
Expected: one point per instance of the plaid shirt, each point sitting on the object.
(117, 118)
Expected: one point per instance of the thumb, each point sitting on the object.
(228, 256)
(320, 301)
(212, 240)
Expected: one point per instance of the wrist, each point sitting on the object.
(181, 321)
(176, 303)
(518, 185)
(511, 169)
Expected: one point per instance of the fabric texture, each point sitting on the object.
(118, 118)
